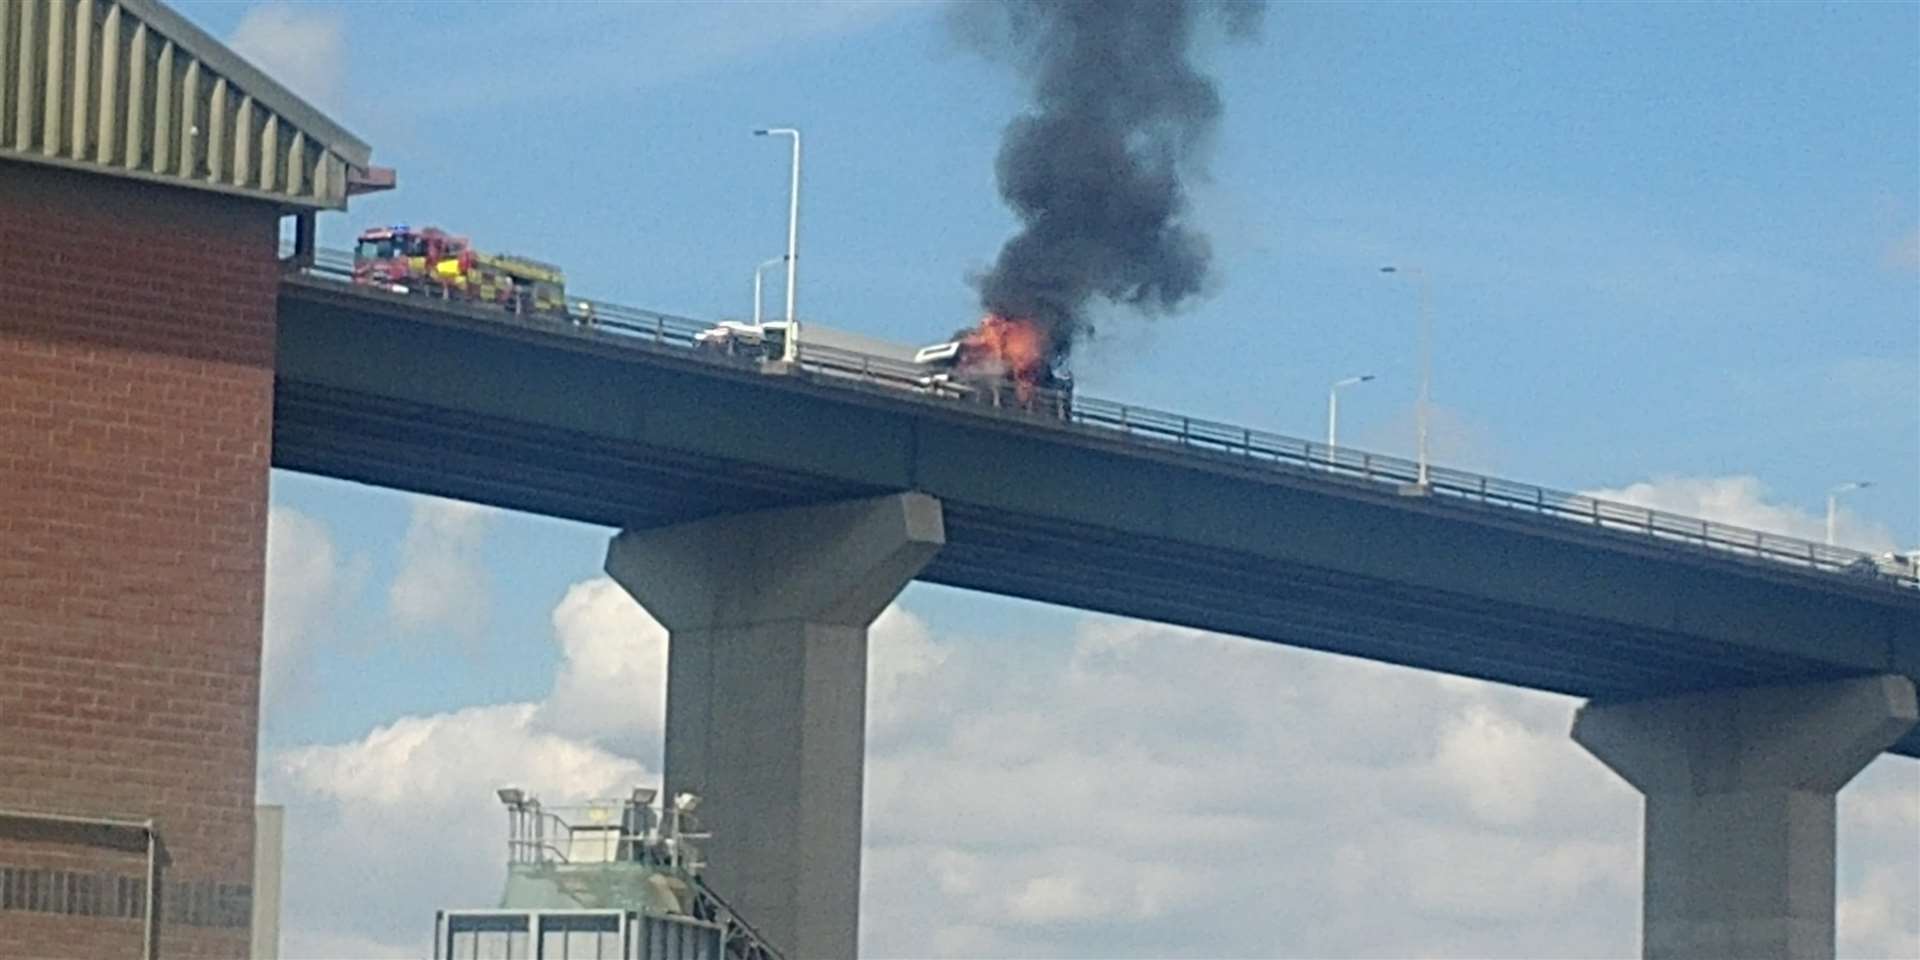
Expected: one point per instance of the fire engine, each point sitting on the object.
(432, 262)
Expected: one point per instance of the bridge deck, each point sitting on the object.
(609, 427)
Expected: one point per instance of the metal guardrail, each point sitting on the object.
(1244, 444)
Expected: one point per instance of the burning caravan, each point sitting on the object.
(959, 370)
(1001, 363)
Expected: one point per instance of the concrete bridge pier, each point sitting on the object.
(1739, 787)
(767, 614)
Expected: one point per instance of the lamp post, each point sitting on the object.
(793, 235)
(1426, 356)
(757, 271)
(1833, 502)
(1333, 411)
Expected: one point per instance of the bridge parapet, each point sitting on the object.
(1215, 440)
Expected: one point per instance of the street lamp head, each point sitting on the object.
(762, 132)
(1389, 269)
(1855, 485)
(1365, 377)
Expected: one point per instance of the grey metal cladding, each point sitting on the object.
(129, 88)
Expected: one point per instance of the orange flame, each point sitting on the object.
(1018, 348)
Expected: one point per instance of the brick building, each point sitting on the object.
(144, 171)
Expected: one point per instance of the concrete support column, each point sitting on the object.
(1739, 787)
(766, 693)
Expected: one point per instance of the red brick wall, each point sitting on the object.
(136, 392)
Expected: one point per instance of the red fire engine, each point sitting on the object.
(433, 262)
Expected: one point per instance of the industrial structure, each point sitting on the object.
(769, 509)
(603, 880)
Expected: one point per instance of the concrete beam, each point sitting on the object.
(1739, 787)
(767, 614)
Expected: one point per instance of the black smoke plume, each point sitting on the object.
(1118, 115)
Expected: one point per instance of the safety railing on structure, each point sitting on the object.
(597, 833)
(1242, 444)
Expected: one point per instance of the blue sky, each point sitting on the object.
(1711, 207)
(1675, 253)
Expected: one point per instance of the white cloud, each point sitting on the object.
(1303, 804)
(1166, 773)
(301, 46)
(906, 680)
(1495, 762)
(1140, 790)
(1877, 919)
(384, 829)
(441, 582)
(425, 762)
(1886, 798)
(309, 583)
(612, 684)
(1879, 905)
(1743, 501)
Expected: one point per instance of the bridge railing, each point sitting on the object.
(1258, 445)
(1215, 439)
(664, 328)
(865, 367)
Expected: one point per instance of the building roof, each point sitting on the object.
(129, 88)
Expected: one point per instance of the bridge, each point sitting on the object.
(767, 513)
(623, 423)
(772, 509)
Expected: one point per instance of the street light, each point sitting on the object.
(1833, 502)
(1426, 357)
(793, 235)
(1333, 410)
(757, 271)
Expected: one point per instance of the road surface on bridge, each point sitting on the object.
(1109, 507)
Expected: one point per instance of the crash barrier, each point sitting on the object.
(1217, 440)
